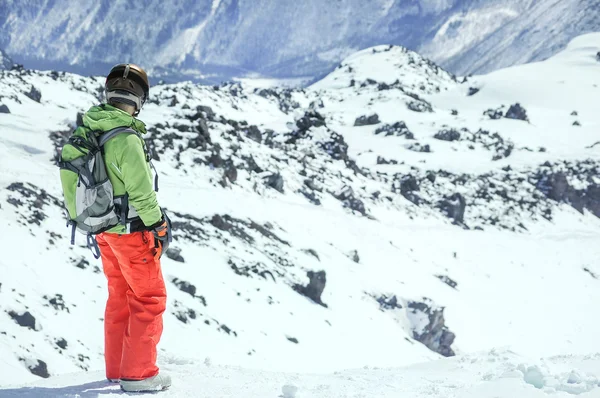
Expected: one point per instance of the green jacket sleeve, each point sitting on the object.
(137, 177)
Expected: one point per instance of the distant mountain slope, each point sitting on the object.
(213, 40)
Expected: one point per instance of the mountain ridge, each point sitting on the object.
(220, 39)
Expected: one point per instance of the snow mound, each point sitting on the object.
(387, 66)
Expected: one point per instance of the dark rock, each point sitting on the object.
(202, 127)
(434, 335)
(592, 274)
(202, 140)
(25, 320)
(354, 256)
(574, 113)
(346, 196)
(408, 186)
(447, 280)
(174, 253)
(336, 147)
(494, 114)
(454, 112)
(473, 91)
(185, 286)
(312, 197)
(454, 207)
(315, 287)
(275, 181)
(4, 109)
(388, 303)
(367, 120)
(215, 159)
(416, 147)
(517, 112)
(62, 343)
(39, 368)
(58, 303)
(79, 119)
(184, 128)
(310, 183)
(253, 133)
(381, 160)
(447, 135)
(576, 123)
(34, 94)
(312, 252)
(398, 129)
(207, 110)
(559, 187)
(293, 340)
(420, 106)
(251, 165)
(309, 120)
(231, 173)
(598, 56)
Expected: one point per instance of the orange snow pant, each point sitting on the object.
(136, 301)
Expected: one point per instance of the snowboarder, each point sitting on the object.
(131, 250)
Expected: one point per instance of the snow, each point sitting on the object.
(525, 265)
(494, 374)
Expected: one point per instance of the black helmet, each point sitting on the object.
(128, 84)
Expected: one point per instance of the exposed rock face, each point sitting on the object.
(4, 109)
(429, 327)
(557, 187)
(447, 135)
(367, 120)
(315, 287)
(25, 319)
(454, 207)
(275, 181)
(398, 129)
(494, 114)
(34, 94)
(37, 367)
(517, 112)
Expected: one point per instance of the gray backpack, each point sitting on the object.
(93, 199)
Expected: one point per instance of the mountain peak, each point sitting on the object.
(387, 66)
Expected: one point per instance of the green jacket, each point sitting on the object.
(125, 159)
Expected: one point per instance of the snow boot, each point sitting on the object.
(116, 381)
(157, 383)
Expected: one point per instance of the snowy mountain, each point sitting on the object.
(390, 214)
(220, 39)
(5, 61)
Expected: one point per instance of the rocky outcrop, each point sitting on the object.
(429, 327)
(517, 112)
(367, 120)
(315, 287)
(398, 129)
(454, 207)
(447, 135)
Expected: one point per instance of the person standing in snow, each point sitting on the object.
(131, 250)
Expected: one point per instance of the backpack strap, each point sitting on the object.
(105, 137)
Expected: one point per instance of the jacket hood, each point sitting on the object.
(106, 117)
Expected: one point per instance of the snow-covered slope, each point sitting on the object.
(495, 374)
(212, 40)
(386, 215)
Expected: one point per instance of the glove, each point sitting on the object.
(162, 235)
